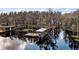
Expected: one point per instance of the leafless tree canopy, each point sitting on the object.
(41, 19)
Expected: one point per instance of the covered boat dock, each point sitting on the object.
(37, 34)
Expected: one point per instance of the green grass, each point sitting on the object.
(74, 36)
(25, 30)
(76, 40)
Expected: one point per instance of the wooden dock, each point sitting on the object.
(32, 35)
(7, 30)
(40, 33)
(37, 32)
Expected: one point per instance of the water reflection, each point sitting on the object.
(74, 45)
(50, 42)
(62, 43)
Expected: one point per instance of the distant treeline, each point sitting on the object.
(41, 19)
(30, 18)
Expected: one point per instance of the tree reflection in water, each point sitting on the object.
(48, 42)
(60, 42)
(74, 45)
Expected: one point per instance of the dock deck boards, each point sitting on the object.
(32, 35)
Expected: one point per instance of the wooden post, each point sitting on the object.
(10, 31)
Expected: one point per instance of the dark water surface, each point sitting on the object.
(60, 43)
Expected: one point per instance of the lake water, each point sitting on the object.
(61, 43)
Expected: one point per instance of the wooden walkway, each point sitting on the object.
(7, 30)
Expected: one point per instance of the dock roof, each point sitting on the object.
(41, 30)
